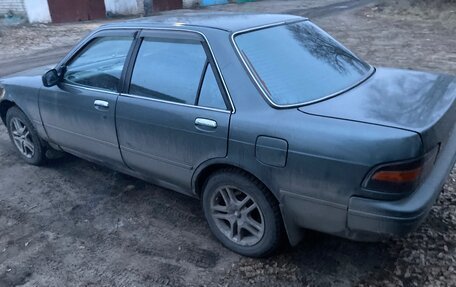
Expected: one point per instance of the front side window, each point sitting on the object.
(299, 63)
(100, 64)
(168, 70)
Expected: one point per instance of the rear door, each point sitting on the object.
(174, 114)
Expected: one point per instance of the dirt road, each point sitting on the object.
(72, 223)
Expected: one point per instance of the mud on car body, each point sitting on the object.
(267, 119)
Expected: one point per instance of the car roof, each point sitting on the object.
(230, 22)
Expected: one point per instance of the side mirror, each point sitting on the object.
(51, 78)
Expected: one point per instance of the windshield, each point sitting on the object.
(299, 63)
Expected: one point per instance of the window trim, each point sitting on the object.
(203, 80)
(230, 107)
(84, 49)
(152, 37)
(170, 33)
(129, 73)
(174, 103)
(78, 49)
(201, 83)
(260, 86)
(136, 30)
(98, 90)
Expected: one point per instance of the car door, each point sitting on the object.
(79, 113)
(174, 114)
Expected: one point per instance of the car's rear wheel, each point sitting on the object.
(24, 137)
(242, 213)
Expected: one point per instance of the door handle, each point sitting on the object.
(206, 123)
(101, 104)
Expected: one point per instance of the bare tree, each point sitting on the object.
(325, 48)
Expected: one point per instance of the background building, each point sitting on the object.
(57, 11)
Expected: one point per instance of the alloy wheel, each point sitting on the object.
(22, 138)
(237, 216)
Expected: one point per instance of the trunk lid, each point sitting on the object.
(416, 101)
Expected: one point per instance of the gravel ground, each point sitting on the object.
(73, 223)
(23, 40)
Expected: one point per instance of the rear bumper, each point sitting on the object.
(369, 219)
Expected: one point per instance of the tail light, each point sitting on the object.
(400, 177)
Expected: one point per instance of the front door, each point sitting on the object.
(173, 116)
(79, 113)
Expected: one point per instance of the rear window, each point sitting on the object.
(299, 63)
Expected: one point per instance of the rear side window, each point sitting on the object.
(100, 64)
(210, 95)
(168, 70)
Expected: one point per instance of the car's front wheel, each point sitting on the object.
(242, 213)
(24, 137)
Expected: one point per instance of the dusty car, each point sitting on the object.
(272, 123)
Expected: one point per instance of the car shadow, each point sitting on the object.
(319, 260)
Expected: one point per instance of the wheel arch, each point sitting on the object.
(5, 105)
(204, 171)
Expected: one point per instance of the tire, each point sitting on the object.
(24, 137)
(242, 213)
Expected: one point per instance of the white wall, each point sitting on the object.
(37, 11)
(123, 7)
(190, 3)
(11, 5)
